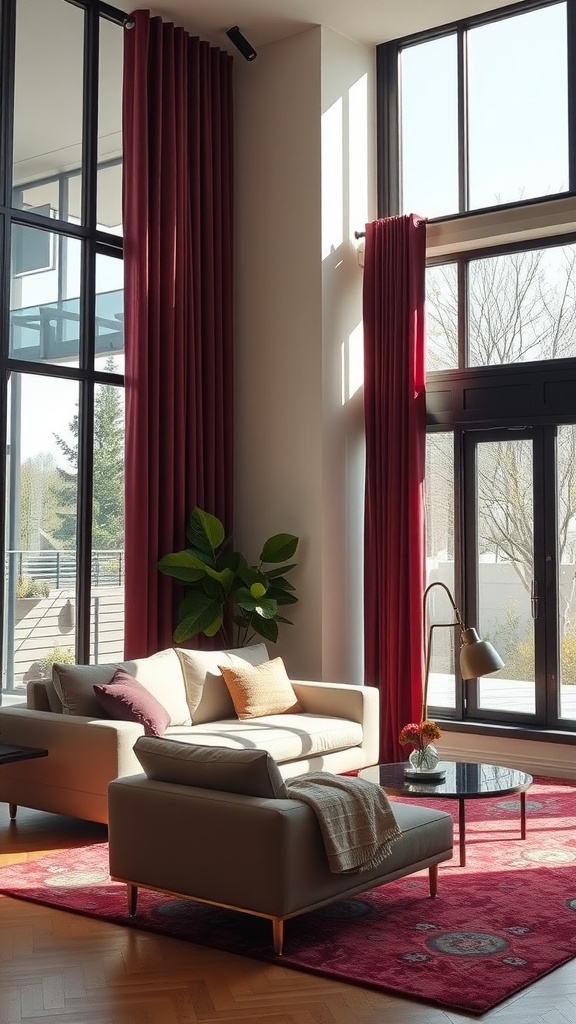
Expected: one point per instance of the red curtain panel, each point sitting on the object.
(178, 182)
(395, 419)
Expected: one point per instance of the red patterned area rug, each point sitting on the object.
(498, 924)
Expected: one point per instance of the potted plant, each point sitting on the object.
(42, 668)
(63, 655)
(223, 593)
(29, 591)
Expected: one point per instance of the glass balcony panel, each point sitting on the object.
(109, 341)
(44, 303)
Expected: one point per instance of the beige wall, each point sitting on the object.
(298, 286)
(556, 760)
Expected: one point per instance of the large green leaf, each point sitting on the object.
(182, 565)
(263, 606)
(280, 571)
(249, 575)
(204, 530)
(279, 548)
(202, 613)
(279, 583)
(281, 597)
(267, 628)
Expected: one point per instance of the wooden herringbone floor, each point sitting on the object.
(59, 968)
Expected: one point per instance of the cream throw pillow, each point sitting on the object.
(258, 690)
(206, 693)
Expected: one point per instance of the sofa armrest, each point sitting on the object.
(95, 750)
(345, 700)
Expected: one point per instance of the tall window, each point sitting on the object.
(61, 338)
(478, 144)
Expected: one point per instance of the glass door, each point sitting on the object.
(506, 584)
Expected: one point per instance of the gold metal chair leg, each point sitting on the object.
(278, 934)
(132, 898)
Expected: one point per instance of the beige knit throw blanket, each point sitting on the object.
(357, 822)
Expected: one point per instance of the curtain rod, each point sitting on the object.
(362, 234)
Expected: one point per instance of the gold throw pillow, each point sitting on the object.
(258, 690)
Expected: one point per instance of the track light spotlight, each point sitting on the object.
(241, 43)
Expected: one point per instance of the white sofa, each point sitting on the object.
(337, 730)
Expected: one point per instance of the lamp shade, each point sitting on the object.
(477, 657)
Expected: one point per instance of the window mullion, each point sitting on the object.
(462, 279)
(571, 58)
(463, 179)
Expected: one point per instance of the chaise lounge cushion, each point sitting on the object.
(259, 690)
(250, 772)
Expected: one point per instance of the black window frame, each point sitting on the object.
(388, 98)
(550, 386)
(94, 243)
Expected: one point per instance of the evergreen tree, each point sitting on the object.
(108, 472)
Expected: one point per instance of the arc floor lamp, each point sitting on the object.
(477, 657)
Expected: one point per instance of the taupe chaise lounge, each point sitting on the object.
(253, 851)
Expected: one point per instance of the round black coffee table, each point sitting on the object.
(461, 782)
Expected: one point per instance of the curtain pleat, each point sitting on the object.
(178, 181)
(395, 423)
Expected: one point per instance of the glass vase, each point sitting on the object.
(424, 759)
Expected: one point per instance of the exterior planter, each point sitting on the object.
(24, 606)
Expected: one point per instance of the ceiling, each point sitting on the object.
(265, 21)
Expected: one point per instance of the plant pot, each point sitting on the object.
(24, 605)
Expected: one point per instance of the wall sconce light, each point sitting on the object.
(477, 657)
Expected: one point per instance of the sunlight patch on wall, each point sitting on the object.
(332, 179)
(358, 153)
(352, 363)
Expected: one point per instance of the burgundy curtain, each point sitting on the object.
(177, 126)
(395, 419)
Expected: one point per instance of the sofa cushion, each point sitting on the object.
(161, 674)
(259, 690)
(206, 692)
(124, 698)
(285, 737)
(251, 772)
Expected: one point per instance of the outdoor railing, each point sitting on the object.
(58, 568)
